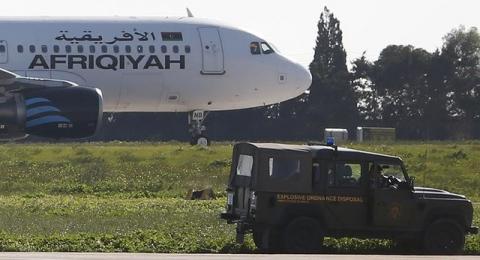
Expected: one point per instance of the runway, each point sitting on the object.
(125, 256)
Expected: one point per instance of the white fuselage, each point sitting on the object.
(152, 64)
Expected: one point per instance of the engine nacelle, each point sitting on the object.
(72, 112)
(12, 117)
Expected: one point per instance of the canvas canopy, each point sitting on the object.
(273, 167)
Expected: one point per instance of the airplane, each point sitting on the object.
(58, 75)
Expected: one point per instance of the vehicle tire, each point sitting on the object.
(200, 140)
(444, 236)
(303, 235)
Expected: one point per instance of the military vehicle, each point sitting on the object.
(292, 196)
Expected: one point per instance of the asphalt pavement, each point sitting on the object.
(125, 256)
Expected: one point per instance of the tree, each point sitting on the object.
(400, 78)
(461, 50)
(368, 100)
(435, 119)
(332, 100)
(404, 89)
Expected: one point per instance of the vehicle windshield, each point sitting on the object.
(394, 170)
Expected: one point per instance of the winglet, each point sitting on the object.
(189, 13)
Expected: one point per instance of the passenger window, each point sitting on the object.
(344, 174)
(151, 49)
(245, 165)
(104, 49)
(68, 48)
(44, 48)
(175, 49)
(140, 49)
(80, 49)
(283, 168)
(32, 48)
(56, 48)
(20, 48)
(116, 49)
(128, 49)
(266, 49)
(187, 49)
(92, 49)
(164, 49)
(255, 48)
(2, 49)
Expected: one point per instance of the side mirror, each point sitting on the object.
(411, 182)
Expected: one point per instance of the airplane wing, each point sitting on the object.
(15, 82)
(6, 75)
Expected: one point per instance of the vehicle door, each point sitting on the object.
(346, 193)
(244, 165)
(392, 203)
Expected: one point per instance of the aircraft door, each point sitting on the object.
(3, 51)
(212, 51)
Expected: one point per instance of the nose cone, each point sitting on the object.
(303, 79)
(292, 81)
(295, 82)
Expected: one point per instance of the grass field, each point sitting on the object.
(129, 197)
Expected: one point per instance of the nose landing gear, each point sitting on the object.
(197, 129)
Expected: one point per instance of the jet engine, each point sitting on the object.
(63, 112)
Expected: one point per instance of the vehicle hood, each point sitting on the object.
(430, 193)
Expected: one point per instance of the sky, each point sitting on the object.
(367, 25)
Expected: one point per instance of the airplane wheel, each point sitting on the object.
(200, 140)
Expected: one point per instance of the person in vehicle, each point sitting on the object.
(377, 179)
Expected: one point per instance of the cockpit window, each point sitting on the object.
(255, 48)
(266, 49)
